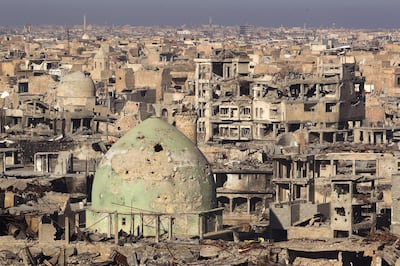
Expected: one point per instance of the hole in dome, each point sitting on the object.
(158, 148)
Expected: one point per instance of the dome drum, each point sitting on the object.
(136, 223)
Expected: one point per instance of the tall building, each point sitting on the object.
(246, 30)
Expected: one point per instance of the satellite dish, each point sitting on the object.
(4, 95)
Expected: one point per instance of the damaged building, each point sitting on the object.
(159, 149)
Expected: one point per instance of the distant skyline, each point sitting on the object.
(274, 13)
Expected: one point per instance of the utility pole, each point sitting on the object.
(68, 49)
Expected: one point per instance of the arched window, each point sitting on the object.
(256, 204)
(164, 113)
(224, 202)
(240, 205)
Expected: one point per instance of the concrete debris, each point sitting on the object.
(214, 145)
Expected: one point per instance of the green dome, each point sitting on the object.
(154, 168)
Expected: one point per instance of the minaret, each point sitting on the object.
(85, 35)
(84, 24)
(186, 122)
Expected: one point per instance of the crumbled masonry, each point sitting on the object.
(209, 145)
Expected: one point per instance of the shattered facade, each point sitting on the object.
(299, 136)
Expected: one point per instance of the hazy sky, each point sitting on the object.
(315, 13)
